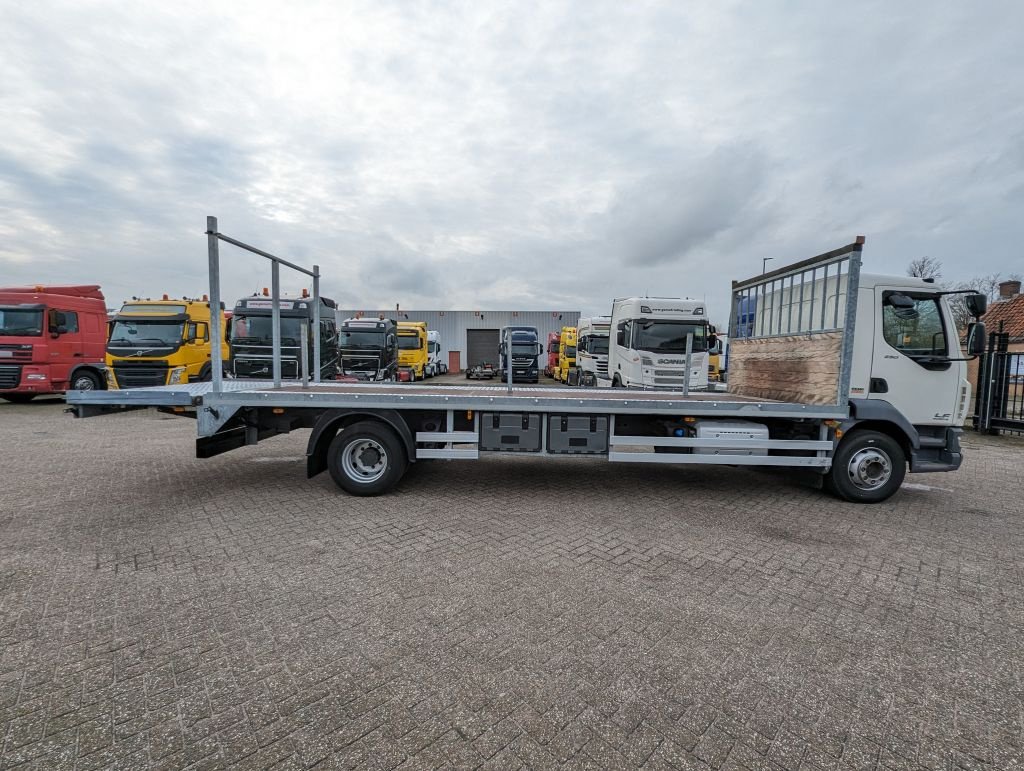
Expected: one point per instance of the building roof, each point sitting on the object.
(1008, 312)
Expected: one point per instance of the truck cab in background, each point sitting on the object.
(51, 340)
(252, 337)
(592, 351)
(565, 372)
(434, 364)
(647, 345)
(369, 349)
(525, 352)
(551, 363)
(161, 342)
(412, 350)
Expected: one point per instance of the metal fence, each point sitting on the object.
(999, 401)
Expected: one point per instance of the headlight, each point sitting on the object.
(111, 380)
(35, 376)
(647, 361)
(177, 375)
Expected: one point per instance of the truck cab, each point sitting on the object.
(566, 370)
(592, 351)
(412, 349)
(51, 340)
(551, 363)
(161, 342)
(434, 364)
(525, 352)
(647, 347)
(252, 337)
(369, 349)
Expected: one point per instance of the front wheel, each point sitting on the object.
(366, 458)
(868, 467)
(84, 381)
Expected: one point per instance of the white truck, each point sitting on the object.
(592, 351)
(434, 364)
(857, 378)
(647, 348)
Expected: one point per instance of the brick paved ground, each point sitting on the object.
(159, 611)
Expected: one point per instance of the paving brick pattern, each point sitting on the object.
(158, 611)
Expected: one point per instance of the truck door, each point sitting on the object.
(66, 349)
(910, 365)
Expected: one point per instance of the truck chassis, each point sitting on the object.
(366, 434)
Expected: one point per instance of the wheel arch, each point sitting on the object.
(878, 415)
(331, 422)
(99, 371)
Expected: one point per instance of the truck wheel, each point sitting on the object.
(868, 467)
(84, 381)
(366, 459)
(616, 383)
(18, 398)
(206, 374)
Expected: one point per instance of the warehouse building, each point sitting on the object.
(469, 338)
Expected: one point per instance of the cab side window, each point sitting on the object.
(914, 328)
(203, 332)
(71, 321)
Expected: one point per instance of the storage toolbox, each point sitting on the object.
(738, 430)
(509, 432)
(578, 434)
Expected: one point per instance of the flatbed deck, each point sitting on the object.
(256, 393)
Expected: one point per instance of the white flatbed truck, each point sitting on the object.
(866, 410)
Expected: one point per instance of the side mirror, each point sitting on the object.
(538, 349)
(976, 337)
(620, 337)
(976, 304)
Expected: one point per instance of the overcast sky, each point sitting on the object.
(505, 155)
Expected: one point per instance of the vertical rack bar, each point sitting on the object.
(814, 289)
(849, 323)
(800, 312)
(216, 333)
(275, 319)
(839, 277)
(508, 357)
(317, 336)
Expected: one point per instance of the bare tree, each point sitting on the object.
(986, 285)
(925, 267)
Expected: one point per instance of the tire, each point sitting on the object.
(18, 398)
(616, 383)
(206, 374)
(367, 458)
(868, 467)
(84, 381)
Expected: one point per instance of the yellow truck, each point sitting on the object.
(161, 342)
(566, 369)
(412, 350)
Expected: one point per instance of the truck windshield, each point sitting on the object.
(599, 345)
(669, 336)
(570, 352)
(357, 338)
(409, 342)
(260, 329)
(524, 350)
(18, 322)
(131, 333)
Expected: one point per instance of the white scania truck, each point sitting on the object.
(647, 348)
(859, 378)
(592, 351)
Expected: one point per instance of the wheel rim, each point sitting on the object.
(364, 460)
(870, 468)
(84, 383)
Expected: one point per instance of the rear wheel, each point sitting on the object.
(206, 374)
(366, 459)
(18, 398)
(868, 467)
(84, 381)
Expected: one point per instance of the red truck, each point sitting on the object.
(554, 339)
(52, 340)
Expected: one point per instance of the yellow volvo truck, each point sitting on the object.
(566, 369)
(161, 342)
(412, 350)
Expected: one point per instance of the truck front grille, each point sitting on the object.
(10, 376)
(264, 368)
(140, 375)
(18, 352)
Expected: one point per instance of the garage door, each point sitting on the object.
(481, 346)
